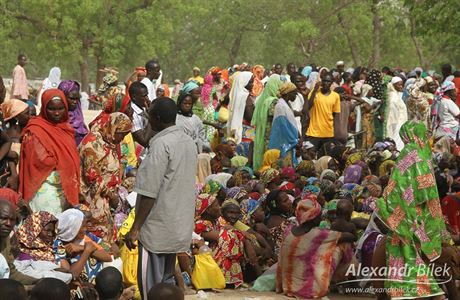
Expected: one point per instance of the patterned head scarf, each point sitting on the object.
(12, 108)
(236, 193)
(76, 118)
(248, 207)
(307, 210)
(327, 187)
(212, 187)
(117, 123)
(289, 173)
(306, 168)
(269, 175)
(189, 86)
(116, 102)
(374, 79)
(354, 157)
(258, 72)
(202, 203)
(28, 236)
(329, 175)
(352, 174)
(230, 202)
(285, 89)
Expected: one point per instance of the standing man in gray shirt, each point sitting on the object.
(165, 207)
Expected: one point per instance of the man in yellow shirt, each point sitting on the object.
(196, 76)
(322, 104)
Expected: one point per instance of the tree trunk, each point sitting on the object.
(84, 69)
(377, 26)
(351, 42)
(418, 47)
(99, 66)
(235, 48)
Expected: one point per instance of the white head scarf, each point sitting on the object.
(312, 79)
(53, 80)
(396, 79)
(238, 96)
(69, 224)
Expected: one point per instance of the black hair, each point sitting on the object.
(386, 69)
(457, 73)
(327, 74)
(339, 90)
(135, 87)
(278, 64)
(164, 109)
(21, 56)
(50, 288)
(346, 75)
(447, 68)
(295, 75)
(165, 291)
(109, 283)
(12, 289)
(151, 63)
(181, 99)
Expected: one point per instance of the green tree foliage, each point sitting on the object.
(84, 36)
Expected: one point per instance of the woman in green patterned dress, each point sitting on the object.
(411, 210)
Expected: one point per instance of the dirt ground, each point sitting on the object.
(248, 295)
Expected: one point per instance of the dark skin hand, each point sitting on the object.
(144, 206)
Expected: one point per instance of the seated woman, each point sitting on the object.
(35, 238)
(226, 243)
(222, 160)
(101, 175)
(16, 115)
(49, 168)
(299, 274)
(280, 209)
(76, 250)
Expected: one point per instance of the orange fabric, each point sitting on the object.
(166, 88)
(456, 81)
(46, 147)
(258, 71)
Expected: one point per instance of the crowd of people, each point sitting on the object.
(275, 179)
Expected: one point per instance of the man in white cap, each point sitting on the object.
(340, 66)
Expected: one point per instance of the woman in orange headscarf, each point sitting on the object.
(258, 72)
(49, 172)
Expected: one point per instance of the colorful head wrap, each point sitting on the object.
(230, 202)
(269, 175)
(285, 89)
(248, 207)
(352, 174)
(68, 86)
(306, 168)
(203, 201)
(189, 86)
(28, 235)
(289, 173)
(329, 175)
(307, 210)
(212, 187)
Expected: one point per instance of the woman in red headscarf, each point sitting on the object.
(49, 172)
(116, 102)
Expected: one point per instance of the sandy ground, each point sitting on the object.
(248, 295)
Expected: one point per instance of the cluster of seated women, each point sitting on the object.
(298, 230)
